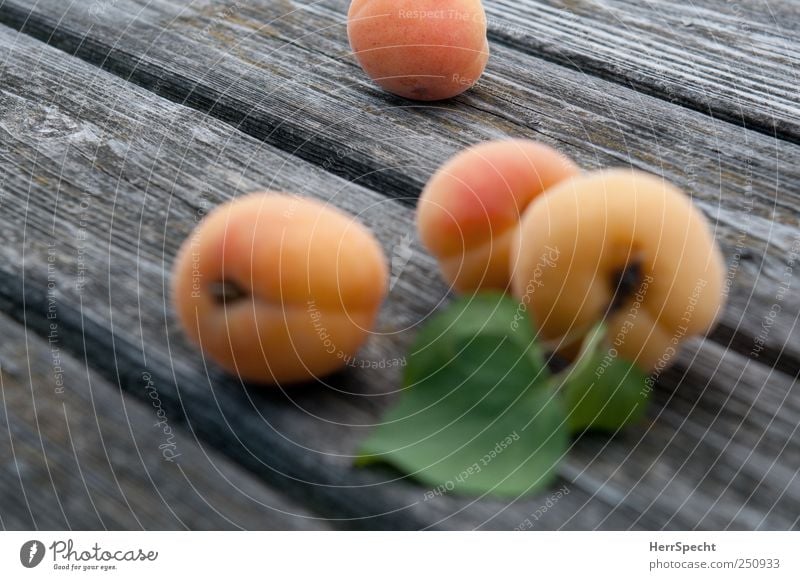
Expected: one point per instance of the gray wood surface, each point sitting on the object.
(77, 453)
(103, 141)
(264, 96)
(737, 61)
(283, 72)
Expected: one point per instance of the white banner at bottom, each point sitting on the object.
(400, 555)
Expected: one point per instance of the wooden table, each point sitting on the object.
(122, 122)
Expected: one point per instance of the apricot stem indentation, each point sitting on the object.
(225, 292)
(625, 282)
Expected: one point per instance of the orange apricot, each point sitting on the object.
(470, 209)
(425, 50)
(278, 289)
(623, 246)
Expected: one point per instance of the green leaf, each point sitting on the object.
(478, 413)
(487, 313)
(602, 391)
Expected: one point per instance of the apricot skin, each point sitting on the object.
(305, 283)
(470, 209)
(598, 226)
(426, 50)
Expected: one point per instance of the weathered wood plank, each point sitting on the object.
(713, 442)
(738, 61)
(282, 72)
(112, 178)
(148, 168)
(76, 453)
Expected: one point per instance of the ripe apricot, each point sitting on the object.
(425, 50)
(470, 209)
(625, 246)
(279, 289)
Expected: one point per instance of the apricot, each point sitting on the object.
(470, 209)
(278, 289)
(425, 50)
(623, 246)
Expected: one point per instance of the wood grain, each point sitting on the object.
(102, 172)
(132, 173)
(737, 61)
(282, 72)
(77, 453)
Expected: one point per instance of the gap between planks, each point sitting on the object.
(668, 141)
(120, 133)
